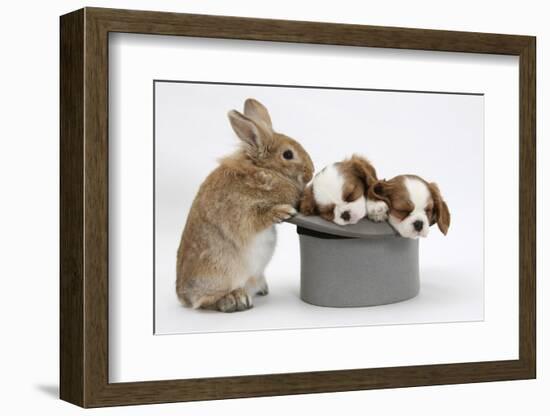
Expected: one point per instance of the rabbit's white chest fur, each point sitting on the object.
(260, 251)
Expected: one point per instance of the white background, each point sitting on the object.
(29, 164)
(399, 132)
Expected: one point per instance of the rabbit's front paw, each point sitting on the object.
(377, 211)
(283, 212)
(235, 301)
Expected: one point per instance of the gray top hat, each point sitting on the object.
(364, 264)
(363, 229)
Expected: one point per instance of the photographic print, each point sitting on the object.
(302, 207)
(293, 207)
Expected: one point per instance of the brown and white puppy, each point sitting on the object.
(338, 193)
(414, 205)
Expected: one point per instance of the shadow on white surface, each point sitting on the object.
(51, 390)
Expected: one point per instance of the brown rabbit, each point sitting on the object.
(229, 237)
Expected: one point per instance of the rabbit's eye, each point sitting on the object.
(288, 154)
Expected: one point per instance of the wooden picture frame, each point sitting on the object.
(84, 207)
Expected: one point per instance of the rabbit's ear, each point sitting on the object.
(247, 130)
(257, 112)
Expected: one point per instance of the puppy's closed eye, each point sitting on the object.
(400, 213)
(327, 212)
(354, 194)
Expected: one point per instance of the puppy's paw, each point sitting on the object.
(283, 212)
(235, 301)
(377, 211)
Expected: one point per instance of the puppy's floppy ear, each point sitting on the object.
(248, 131)
(364, 170)
(308, 206)
(256, 111)
(441, 213)
(378, 191)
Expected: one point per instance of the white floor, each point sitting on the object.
(451, 291)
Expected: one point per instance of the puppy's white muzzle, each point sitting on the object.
(348, 213)
(414, 226)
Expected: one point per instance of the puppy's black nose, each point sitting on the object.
(418, 225)
(345, 215)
